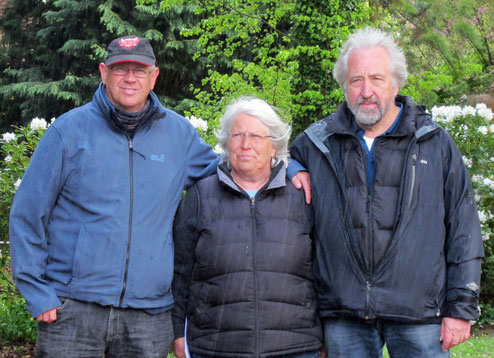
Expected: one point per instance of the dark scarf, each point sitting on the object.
(130, 120)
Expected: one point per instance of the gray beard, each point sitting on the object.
(368, 118)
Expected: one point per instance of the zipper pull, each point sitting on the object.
(412, 185)
(131, 148)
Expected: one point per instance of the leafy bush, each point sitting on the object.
(16, 324)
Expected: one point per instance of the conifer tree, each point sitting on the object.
(50, 52)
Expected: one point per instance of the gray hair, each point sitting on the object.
(278, 129)
(370, 37)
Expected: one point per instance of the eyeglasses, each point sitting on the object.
(255, 138)
(124, 71)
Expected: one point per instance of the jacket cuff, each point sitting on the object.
(293, 168)
(41, 306)
(465, 308)
(178, 330)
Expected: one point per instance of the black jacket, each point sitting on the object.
(410, 249)
(243, 270)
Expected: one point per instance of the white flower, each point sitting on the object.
(38, 123)
(477, 178)
(483, 130)
(17, 183)
(491, 128)
(477, 198)
(491, 159)
(485, 237)
(8, 159)
(480, 106)
(486, 113)
(445, 113)
(482, 216)
(218, 149)
(489, 182)
(7, 137)
(198, 123)
(467, 161)
(468, 110)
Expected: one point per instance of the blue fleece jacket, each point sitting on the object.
(92, 218)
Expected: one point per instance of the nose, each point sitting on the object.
(366, 90)
(246, 141)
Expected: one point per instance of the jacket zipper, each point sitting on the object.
(131, 209)
(370, 235)
(367, 299)
(254, 268)
(412, 187)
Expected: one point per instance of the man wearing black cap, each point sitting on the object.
(91, 223)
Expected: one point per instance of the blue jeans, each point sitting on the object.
(301, 355)
(89, 330)
(348, 337)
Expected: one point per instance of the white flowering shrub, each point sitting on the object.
(472, 128)
(16, 149)
(198, 123)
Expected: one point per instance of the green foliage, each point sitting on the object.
(16, 324)
(449, 47)
(281, 51)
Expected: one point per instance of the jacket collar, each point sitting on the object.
(277, 179)
(107, 108)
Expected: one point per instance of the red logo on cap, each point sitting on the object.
(129, 42)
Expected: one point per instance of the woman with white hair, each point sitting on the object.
(243, 249)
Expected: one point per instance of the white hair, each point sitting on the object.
(278, 129)
(371, 37)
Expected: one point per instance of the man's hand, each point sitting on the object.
(302, 180)
(48, 316)
(179, 347)
(454, 331)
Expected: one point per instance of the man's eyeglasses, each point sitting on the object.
(124, 71)
(255, 138)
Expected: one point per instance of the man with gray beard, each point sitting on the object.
(397, 235)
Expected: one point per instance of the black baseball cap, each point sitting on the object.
(130, 49)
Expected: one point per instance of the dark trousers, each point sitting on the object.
(89, 330)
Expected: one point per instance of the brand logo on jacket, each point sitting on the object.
(158, 157)
(423, 161)
(473, 286)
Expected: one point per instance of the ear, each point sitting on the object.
(103, 70)
(154, 76)
(396, 90)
